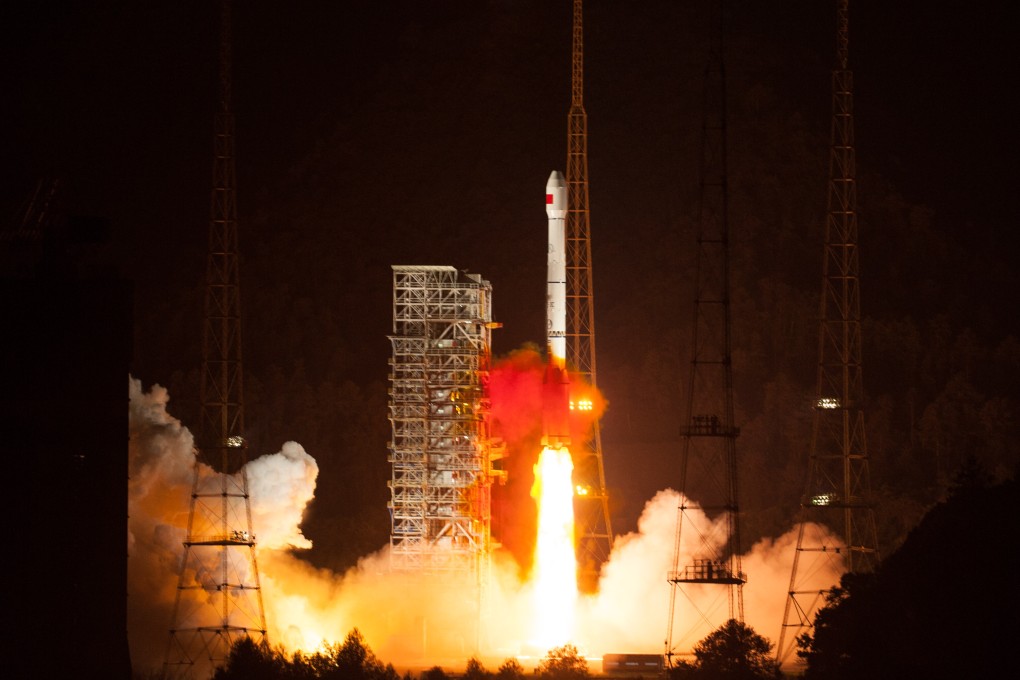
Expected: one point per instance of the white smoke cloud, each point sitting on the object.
(161, 465)
(768, 566)
(161, 469)
(281, 486)
(630, 614)
(411, 622)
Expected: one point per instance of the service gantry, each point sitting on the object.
(591, 501)
(838, 490)
(219, 596)
(706, 566)
(442, 455)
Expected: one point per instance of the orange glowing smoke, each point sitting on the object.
(424, 623)
(554, 575)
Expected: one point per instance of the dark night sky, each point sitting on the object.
(372, 133)
(118, 98)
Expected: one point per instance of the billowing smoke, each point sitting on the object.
(281, 486)
(161, 472)
(631, 610)
(411, 622)
(161, 465)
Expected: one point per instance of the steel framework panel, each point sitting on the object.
(440, 452)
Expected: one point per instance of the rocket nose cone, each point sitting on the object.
(556, 180)
(556, 196)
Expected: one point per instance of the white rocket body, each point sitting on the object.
(556, 286)
(556, 386)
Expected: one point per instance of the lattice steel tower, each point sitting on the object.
(838, 490)
(591, 504)
(441, 452)
(706, 554)
(219, 597)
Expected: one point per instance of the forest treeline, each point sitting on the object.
(353, 659)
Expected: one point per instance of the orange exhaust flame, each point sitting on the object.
(554, 574)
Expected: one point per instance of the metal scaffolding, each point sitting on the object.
(441, 453)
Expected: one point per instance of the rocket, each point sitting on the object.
(556, 385)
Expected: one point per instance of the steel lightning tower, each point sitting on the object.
(838, 491)
(591, 504)
(219, 597)
(706, 555)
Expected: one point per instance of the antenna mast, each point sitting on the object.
(219, 597)
(595, 533)
(708, 552)
(838, 491)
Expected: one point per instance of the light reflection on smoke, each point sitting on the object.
(413, 623)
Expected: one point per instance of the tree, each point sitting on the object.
(475, 670)
(249, 660)
(353, 660)
(563, 663)
(933, 609)
(510, 670)
(970, 478)
(833, 648)
(731, 652)
(434, 673)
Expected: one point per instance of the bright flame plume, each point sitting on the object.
(554, 574)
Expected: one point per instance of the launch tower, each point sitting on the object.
(838, 490)
(591, 502)
(441, 453)
(706, 555)
(219, 597)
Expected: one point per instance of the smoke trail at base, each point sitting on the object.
(161, 468)
(410, 624)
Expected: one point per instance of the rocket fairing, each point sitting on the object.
(556, 386)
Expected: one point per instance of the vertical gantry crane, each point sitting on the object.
(838, 490)
(219, 596)
(442, 455)
(591, 504)
(706, 566)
